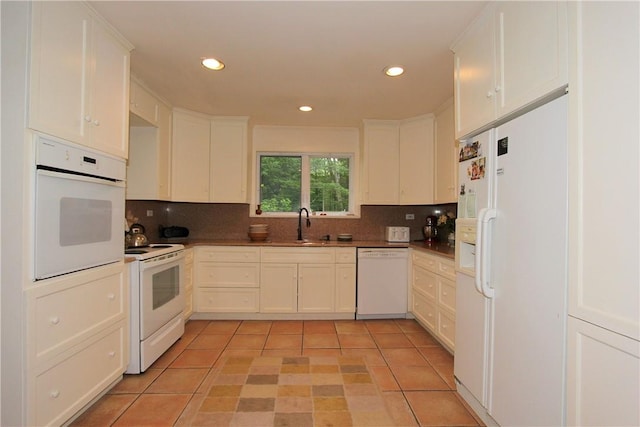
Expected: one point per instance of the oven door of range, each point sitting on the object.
(161, 291)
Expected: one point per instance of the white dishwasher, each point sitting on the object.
(382, 283)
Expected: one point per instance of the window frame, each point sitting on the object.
(305, 190)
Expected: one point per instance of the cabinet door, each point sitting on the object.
(143, 104)
(109, 111)
(446, 160)
(532, 40)
(316, 288)
(474, 75)
(278, 288)
(416, 161)
(142, 166)
(58, 80)
(381, 162)
(602, 377)
(190, 158)
(603, 271)
(345, 288)
(228, 161)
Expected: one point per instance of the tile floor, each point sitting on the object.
(412, 372)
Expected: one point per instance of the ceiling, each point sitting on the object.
(280, 55)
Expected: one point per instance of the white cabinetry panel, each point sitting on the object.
(603, 378)
(79, 79)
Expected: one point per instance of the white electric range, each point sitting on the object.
(156, 302)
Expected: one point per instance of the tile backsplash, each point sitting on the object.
(223, 221)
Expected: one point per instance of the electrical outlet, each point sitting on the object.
(149, 212)
(409, 216)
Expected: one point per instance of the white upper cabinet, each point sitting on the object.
(209, 158)
(143, 104)
(228, 174)
(511, 56)
(416, 161)
(79, 81)
(398, 161)
(475, 75)
(190, 157)
(446, 159)
(148, 169)
(604, 176)
(381, 159)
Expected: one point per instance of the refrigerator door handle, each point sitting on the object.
(487, 216)
(479, 251)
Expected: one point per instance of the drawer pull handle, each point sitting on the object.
(54, 393)
(54, 320)
(444, 293)
(112, 353)
(111, 296)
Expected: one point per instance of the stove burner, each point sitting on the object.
(135, 251)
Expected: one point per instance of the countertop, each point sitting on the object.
(441, 249)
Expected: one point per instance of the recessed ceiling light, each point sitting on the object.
(305, 108)
(393, 71)
(212, 64)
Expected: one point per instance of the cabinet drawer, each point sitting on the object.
(229, 300)
(345, 255)
(228, 254)
(68, 310)
(447, 328)
(65, 388)
(299, 255)
(425, 282)
(425, 311)
(226, 275)
(425, 261)
(447, 295)
(446, 268)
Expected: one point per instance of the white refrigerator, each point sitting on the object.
(511, 309)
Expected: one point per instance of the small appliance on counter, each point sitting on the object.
(397, 234)
(430, 230)
(173, 231)
(138, 238)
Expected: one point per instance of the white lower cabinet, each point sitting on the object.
(603, 386)
(316, 288)
(227, 279)
(433, 294)
(279, 288)
(298, 280)
(77, 341)
(345, 300)
(272, 280)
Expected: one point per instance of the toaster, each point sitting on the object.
(397, 234)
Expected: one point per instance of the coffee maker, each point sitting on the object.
(430, 230)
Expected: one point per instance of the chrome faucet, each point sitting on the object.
(300, 222)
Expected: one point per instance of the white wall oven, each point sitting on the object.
(79, 208)
(157, 302)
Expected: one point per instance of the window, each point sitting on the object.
(319, 182)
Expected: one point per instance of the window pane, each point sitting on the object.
(329, 184)
(280, 183)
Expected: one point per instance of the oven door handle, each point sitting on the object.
(83, 178)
